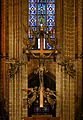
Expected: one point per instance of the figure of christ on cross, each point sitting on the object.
(41, 83)
(41, 52)
(41, 66)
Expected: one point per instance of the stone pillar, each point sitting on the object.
(3, 38)
(11, 55)
(78, 44)
(19, 81)
(59, 23)
(59, 88)
(25, 68)
(59, 78)
(69, 54)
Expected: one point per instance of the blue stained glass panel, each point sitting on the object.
(32, 0)
(53, 32)
(33, 28)
(48, 46)
(51, 1)
(42, 12)
(41, 19)
(53, 35)
(32, 20)
(32, 8)
(43, 1)
(50, 20)
(49, 28)
(41, 8)
(50, 9)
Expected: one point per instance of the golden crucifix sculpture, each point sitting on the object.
(41, 54)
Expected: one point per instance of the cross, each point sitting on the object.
(41, 52)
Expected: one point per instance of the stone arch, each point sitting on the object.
(49, 82)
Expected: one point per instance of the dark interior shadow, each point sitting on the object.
(49, 82)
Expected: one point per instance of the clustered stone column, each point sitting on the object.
(2, 49)
(71, 88)
(79, 47)
(19, 81)
(69, 53)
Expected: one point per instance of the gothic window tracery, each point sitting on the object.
(42, 12)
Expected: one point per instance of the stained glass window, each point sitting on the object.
(42, 11)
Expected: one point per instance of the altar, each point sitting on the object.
(42, 117)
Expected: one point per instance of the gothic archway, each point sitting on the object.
(49, 83)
